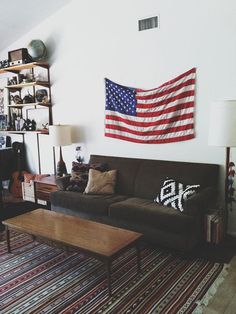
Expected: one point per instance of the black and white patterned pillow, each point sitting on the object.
(175, 194)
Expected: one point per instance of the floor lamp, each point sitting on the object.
(222, 132)
(60, 136)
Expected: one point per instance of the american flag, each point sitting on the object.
(161, 115)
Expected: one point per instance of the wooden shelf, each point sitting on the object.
(20, 86)
(25, 132)
(25, 66)
(34, 104)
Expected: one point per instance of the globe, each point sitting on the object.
(37, 50)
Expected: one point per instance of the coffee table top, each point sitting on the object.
(87, 235)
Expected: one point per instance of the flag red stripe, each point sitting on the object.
(166, 91)
(166, 101)
(193, 70)
(147, 124)
(168, 110)
(158, 141)
(150, 133)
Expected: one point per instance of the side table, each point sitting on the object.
(43, 187)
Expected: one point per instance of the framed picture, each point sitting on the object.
(3, 122)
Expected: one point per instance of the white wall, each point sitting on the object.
(90, 40)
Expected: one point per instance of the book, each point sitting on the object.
(213, 226)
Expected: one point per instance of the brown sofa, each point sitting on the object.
(133, 207)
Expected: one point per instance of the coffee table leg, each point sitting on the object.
(108, 267)
(8, 240)
(138, 256)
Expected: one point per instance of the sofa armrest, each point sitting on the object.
(200, 202)
(63, 182)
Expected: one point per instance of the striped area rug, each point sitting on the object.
(38, 278)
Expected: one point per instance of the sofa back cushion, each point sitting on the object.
(144, 178)
(152, 174)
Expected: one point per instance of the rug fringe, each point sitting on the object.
(212, 291)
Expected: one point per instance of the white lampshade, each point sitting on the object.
(60, 135)
(222, 124)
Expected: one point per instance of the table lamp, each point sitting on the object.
(222, 132)
(60, 136)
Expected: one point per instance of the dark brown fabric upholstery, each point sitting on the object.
(132, 207)
(92, 204)
(142, 210)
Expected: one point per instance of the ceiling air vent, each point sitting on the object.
(151, 22)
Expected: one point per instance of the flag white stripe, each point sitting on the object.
(150, 128)
(162, 107)
(166, 97)
(166, 87)
(150, 119)
(150, 137)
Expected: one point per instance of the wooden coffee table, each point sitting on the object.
(101, 241)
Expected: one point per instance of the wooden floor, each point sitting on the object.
(224, 301)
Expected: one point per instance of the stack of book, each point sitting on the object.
(213, 226)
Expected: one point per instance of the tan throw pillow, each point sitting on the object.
(101, 182)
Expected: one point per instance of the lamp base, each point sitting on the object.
(61, 168)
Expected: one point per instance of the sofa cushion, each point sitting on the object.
(138, 210)
(126, 171)
(175, 193)
(79, 175)
(101, 182)
(91, 204)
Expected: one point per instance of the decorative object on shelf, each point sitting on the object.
(3, 122)
(60, 136)
(12, 81)
(1, 100)
(222, 132)
(19, 122)
(21, 78)
(16, 99)
(3, 141)
(231, 189)
(41, 95)
(29, 77)
(45, 126)
(28, 99)
(4, 64)
(78, 155)
(29, 125)
(19, 56)
(37, 50)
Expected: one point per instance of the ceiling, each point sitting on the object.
(20, 16)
